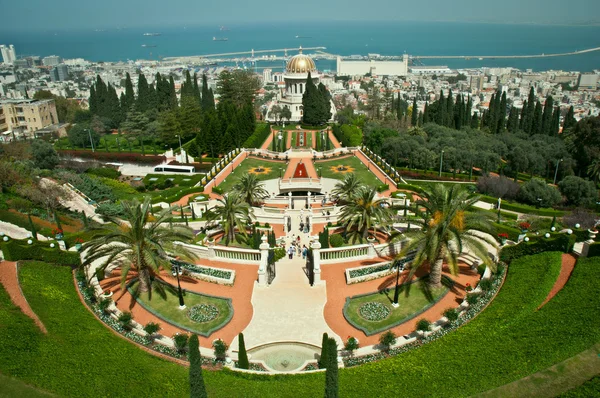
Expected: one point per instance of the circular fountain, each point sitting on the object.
(284, 357)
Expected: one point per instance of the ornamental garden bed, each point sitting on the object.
(204, 314)
(208, 274)
(374, 271)
(373, 312)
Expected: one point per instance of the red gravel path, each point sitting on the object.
(10, 280)
(568, 263)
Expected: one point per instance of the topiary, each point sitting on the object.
(451, 314)
(387, 339)
(336, 240)
(423, 325)
(181, 342)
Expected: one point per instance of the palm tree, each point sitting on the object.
(233, 213)
(250, 189)
(138, 244)
(347, 188)
(447, 229)
(594, 170)
(362, 213)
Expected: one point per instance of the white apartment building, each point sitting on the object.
(9, 55)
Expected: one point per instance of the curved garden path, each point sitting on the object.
(9, 278)
(568, 263)
(338, 291)
(239, 294)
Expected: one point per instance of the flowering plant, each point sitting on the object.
(524, 225)
(503, 235)
(468, 287)
(79, 241)
(57, 231)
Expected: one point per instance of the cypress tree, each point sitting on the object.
(441, 109)
(529, 115)
(475, 121)
(331, 374)
(142, 102)
(523, 116)
(555, 125)
(129, 93)
(490, 116)
(567, 124)
(420, 119)
(547, 116)
(426, 114)
(513, 120)
(93, 101)
(323, 359)
(501, 112)
(414, 118)
(536, 125)
(197, 387)
(449, 116)
(32, 227)
(242, 355)
(459, 112)
(468, 111)
(173, 103)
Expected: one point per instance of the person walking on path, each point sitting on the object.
(304, 252)
(291, 252)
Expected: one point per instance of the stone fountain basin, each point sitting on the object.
(286, 356)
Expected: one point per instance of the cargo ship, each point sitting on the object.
(220, 38)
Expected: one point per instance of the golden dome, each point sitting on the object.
(300, 63)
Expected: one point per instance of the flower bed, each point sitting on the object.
(203, 313)
(374, 311)
(208, 274)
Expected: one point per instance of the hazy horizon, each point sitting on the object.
(66, 15)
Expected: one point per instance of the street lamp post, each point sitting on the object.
(556, 171)
(91, 141)
(441, 161)
(397, 290)
(177, 270)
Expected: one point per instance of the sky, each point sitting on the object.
(107, 14)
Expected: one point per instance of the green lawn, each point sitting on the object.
(249, 164)
(417, 301)
(361, 171)
(509, 340)
(177, 179)
(10, 388)
(110, 140)
(169, 311)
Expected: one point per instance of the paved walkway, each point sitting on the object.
(17, 232)
(338, 291)
(334, 141)
(9, 278)
(568, 263)
(289, 309)
(240, 295)
(308, 163)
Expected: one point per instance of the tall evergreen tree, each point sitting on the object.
(197, 90)
(426, 114)
(143, 101)
(490, 116)
(441, 110)
(173, 102)
(129, 93)
(207, 101)
(323, 359)
(459, 111)
(449, 116)
(536, 125)
(475, 121)
(468, 111)
(513, 120)
(197, 387)
(568, 123)
(501, 112)
(555, 125)
(529, 114)
(523, 116)
(547, 116)
(331, 374)
(414, 118)
(242, 354)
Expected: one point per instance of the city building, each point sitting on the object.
(430, 70)
(26, 115)
(59, 73)
(372, 67)
(267, 77)
(295, 77)
(9, 55)
(51, 60)
(588, 81)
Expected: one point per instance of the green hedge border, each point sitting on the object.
(17, 250)
(401, 321)
(171, 322)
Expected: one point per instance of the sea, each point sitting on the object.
(344, 38)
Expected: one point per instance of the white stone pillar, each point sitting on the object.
(211, 248)
(372, 252)
(310, 223)
(290, 200)
(308, 200)
(316, 250)
(264, 258)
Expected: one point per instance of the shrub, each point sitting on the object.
(152, 328)
(336, 240)
(104, 304)
(181, 342)
(557, 242)
(105, 172)
(577, 191)
(485, 284)
(594, 250)
(110, 209)
(258, 137)
(451, 314)
(387, 339)
(383, 188)
(472, 299)
(423, 325)
(585, 218)
(537, 188)
(220, 348)
(498, 187)
(218, 190)
(351, 345)
(16, 250)
(125, 319)
(197, 387)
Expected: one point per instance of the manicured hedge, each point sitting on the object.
(538, 244)
(178, 195)
(521, 208)
(16, 250)
(594, 250)
(114, 156)
(513, 233)
(258, 137)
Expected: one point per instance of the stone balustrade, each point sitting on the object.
(347, 253)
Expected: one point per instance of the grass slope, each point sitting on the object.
(81, 358)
